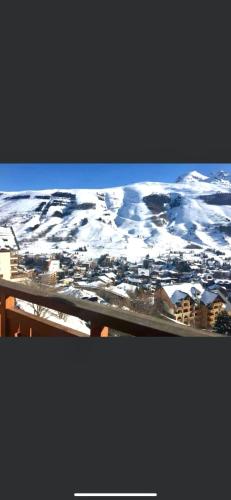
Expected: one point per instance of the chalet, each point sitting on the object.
(104, 279)
(111, 276)
(190, 303)
(212, 303)
(224, 294)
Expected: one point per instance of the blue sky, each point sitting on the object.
(15, 177)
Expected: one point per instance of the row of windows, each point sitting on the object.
(180, 310)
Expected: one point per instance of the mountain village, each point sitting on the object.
(190, 287)
(188, 283)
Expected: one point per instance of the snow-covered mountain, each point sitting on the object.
(221, 177)
(133, 220)
(192, 177)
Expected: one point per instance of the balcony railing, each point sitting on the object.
(15, 322)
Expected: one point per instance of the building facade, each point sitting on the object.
(49, 278)
(190, 304)
(5, 264)
(8, 253)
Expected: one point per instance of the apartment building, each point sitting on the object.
(5, 264)
(54, 266)
(49, 278)
(190, 304)
(212, 303)
(8, 253)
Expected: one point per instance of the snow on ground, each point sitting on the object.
(79, 294)
(119, 221)
(70, 321)
(122, 289)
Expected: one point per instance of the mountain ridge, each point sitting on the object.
(132, 220)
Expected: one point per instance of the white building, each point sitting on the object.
(54, 266)
(8, 253)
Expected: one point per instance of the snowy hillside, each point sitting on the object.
(192, 176)
(133, 220)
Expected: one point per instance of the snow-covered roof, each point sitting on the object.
(122, 289)
(110, 275)
(178, 296)
(209, 297)
(181, 290)
(143, 271)
(127, 287)
(135, 280)
(178, 292)
(80, 294)
(104, 279)
(90, 284)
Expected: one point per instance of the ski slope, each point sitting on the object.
(133, 220)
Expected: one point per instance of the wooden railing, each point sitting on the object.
(15, 322)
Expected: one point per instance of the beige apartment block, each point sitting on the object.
(190, 304)
(5, 264)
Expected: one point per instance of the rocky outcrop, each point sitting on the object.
(18, 197)
(226, 229)
(216, 199)
(160, 204)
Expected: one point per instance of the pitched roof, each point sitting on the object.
(209, 297)
(179, 291)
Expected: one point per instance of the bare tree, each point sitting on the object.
(62, 315)
(142, 301)
(40, 311)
